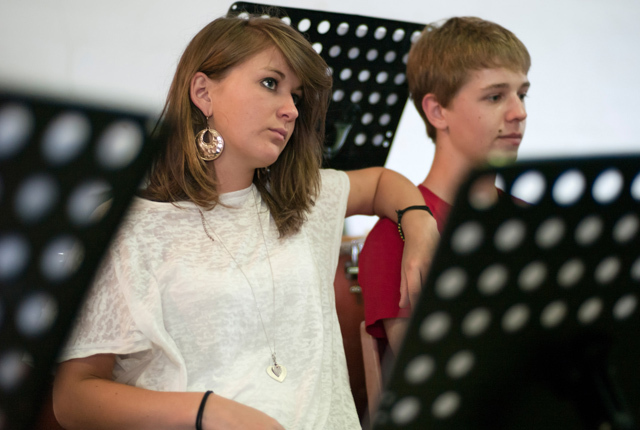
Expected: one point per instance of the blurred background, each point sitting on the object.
(123, 53)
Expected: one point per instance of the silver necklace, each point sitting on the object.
(276, 371)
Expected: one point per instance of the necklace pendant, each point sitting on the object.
(277, 372)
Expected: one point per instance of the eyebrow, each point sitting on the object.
(502, 86)
(282, 76)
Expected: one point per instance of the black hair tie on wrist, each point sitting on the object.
(201, 410)
(401, 212)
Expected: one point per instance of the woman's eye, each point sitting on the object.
(270, 83)
(296, 99)
(495, 97)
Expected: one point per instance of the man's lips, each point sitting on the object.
(513, 138)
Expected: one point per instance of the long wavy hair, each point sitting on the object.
(290, 185)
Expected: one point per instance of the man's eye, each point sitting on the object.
(495, 97)
(522, 96)
(270, 83)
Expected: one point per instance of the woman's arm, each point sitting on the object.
(84, 396)
(380, 191)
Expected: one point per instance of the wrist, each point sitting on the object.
(401, 213)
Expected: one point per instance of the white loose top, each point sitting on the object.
(180, 314)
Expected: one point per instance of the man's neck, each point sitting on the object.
(448, 171)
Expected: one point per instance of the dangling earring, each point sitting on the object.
(209, 151)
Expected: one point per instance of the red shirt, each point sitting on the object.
(379, 266)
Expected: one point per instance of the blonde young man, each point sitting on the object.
(468, 80)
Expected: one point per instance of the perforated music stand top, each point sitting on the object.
(529, 317)
(368, 59)
(58, 163)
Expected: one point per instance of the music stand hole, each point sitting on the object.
(16, 126)
(286, 20)
(377, 140)
(13, 369)
(607, 186)
(493, 279)
(399, 79)
(532, 276)
(14, 256)
(635, 270)
(342, 29)
(304, 25)
(380, 33)
(419, 369)
(445, 405)
(364, 75)
(36, 314)
(405, 411)
(589, 230)
(415, 36)
(338, 95)
(451, 283)
(515, 318)
(85, 199)
(345, 74)
(392, 99)
(529, 186)
(367, 118)
(467, 238)
(324, 26)
(36, 197)
(570, 273)
(460, 364)
(435, 327)
(119, 145)
(553, 314)
(569, 187)
(476, 322)
(398, 35)
(510, 235)
(625, 306)
(353, 53)
(334, 51)
(626, 228)
(372, 54)
(382, 77)
(360, 139)
(317, 47)
(590, 310)
(390, 56)
(635, 188)
(66, 137)
(607, 270)
(361, 30)
(356, 96)
(61, 258)
(374, 98)
(550, 233)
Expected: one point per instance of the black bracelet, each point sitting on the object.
(201, 410)
(401, 212)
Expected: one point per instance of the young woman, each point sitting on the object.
(221, 277)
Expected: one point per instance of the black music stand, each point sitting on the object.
(368, 59)
(58, 162)
(530, 315)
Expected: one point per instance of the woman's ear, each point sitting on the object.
(433, 111)
(199, 93)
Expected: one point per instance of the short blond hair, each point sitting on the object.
(440, 60)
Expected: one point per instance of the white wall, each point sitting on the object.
(583, 99)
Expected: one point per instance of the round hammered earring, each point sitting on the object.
(209, 151)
